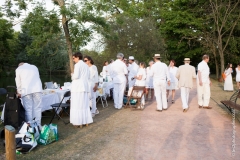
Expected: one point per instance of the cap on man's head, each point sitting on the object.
(157, 56)
(131, 58)
(187, 60)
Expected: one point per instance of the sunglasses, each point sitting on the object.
(85, 60)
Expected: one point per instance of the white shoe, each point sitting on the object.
(97, 112)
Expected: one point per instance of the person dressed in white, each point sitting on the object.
(185, 74)
(174, 82)
(132, 71)
(228, 83)
(160, 75)
(203, 83)
(149, 81)
(141, 81)
(93, 83)
(105, 72)
(118, 74)
(29, 87)
(79, 110)
(238, 76)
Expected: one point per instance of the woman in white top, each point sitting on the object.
(228, 84)
(149, 81)
(93, 83)
(174, 82)
(105, 72)
(238, 76)
(141, 80)
(79, 110)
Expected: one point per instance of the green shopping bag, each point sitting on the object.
(49, 134)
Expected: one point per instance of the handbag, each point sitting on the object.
(25, 142)
(31, 127)
(49, 134)
(224, 76)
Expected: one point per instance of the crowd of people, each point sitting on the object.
(158, 79)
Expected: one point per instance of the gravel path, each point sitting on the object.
(127, 134)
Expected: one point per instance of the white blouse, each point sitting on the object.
(141, 72)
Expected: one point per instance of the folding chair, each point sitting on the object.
(102, 95)
(49, 85)
(62, 106)
(136, 93)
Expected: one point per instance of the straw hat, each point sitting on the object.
(187, 59)
(157, 56)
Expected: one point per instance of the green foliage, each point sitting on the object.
(42, 26)
(51, 56)
(181, 28)
(6, 50)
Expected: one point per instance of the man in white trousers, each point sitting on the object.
(185, 75)
(160, 74)
(203, 83)
(29, 87)
(132, 71)
(118, 73)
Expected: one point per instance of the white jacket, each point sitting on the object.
(27, 79)
(80, 78)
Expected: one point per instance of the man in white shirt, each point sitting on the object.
(118, 73)
(185, 74)
(160, 74)
(132, 71)
(29, 87)
(203, 83)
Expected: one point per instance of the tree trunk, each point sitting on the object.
(67, 35)
(222, 62)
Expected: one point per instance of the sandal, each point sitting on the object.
(172, 101)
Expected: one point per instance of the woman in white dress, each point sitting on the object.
(141, 80)
(238, 76)
(228, 84)
(79, 110)
(93, 83)
(105, 72)
(174, 82)
(149, 81)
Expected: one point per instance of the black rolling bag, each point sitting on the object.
(14, 113)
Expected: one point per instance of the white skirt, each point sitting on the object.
(149, 82)
(173, 86)
(80, 111)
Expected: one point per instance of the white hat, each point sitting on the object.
(131, 58)
(157, 56)
(186, 59)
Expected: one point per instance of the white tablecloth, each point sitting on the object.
(48, 100)
(106, 86)
(53, 96)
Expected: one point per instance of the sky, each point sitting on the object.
(92, 45)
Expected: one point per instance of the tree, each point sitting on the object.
(6, 34)
(205, 26)
(73, 21)
(226, 15)
(131, 36)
